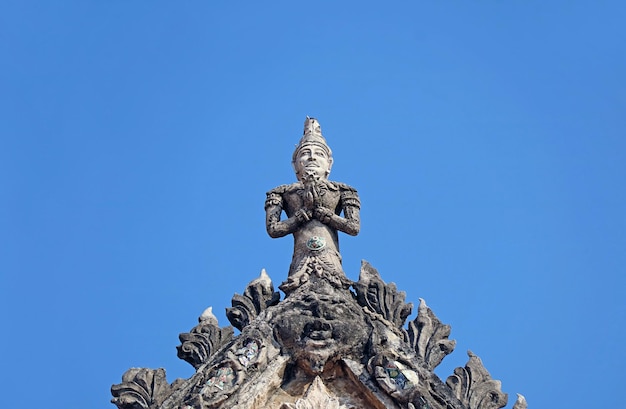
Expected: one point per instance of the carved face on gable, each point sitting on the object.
(312, 159)
(321, 328)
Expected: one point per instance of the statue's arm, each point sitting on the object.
(351, 205)
(273, 209)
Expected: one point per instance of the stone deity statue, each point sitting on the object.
(329, 343)
(314, 207)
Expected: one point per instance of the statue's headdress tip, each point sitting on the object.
(312, 135)
(312, 126)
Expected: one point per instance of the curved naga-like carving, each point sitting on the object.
(198, 345)
(384, 299)
(257, 297)
(141, 388)
(474, 386)
(429, 337)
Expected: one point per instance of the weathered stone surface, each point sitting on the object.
(429, 337)
(372, 292)
(141, 388)
(395, 378)
(316, 396)
(258, 295)
(474, 386)
(203, 340)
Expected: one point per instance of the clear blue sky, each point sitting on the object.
(138, 138)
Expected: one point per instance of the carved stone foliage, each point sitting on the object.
(198, 345)
(384, 299)
(256, 298)
(319, 333)
(316, 397)
(429, 337)
(141, 388)
(475, 388)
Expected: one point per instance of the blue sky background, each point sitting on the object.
(138, 138)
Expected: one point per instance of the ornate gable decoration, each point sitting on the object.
(330, 343)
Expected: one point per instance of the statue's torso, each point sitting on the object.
(313, 238)
(293, 200)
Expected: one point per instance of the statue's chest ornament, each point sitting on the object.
(316, 243)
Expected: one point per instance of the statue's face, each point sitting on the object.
(312, 159)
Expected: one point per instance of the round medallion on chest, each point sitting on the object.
(316, 243)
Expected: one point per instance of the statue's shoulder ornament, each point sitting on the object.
(343, 187)
(279, 190)
(275, 196)
(349, 196)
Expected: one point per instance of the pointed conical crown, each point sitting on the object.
(312, 136)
